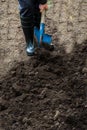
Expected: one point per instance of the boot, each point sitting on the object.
(28, 33)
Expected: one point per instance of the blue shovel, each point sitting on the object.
(42, 39)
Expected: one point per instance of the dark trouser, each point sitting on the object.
(30, 16)
(30, 9)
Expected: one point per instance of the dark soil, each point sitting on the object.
(47, 92)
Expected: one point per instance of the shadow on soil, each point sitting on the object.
(48, 92)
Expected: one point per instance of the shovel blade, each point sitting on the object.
(37, 34)
(47, 39)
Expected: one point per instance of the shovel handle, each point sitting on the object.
(43, 16)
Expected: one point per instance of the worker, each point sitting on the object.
(30, 16)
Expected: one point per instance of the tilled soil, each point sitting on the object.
(46, 92)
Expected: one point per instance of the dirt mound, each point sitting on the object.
(48, 92)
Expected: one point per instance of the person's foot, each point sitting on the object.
(30, 49)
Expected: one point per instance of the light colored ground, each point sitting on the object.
(69, 19)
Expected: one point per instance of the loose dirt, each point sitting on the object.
(46, 92)
(49, 90)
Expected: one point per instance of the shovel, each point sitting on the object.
(42, 39)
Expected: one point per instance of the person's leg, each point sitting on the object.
(37, 14)
(27, 21)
